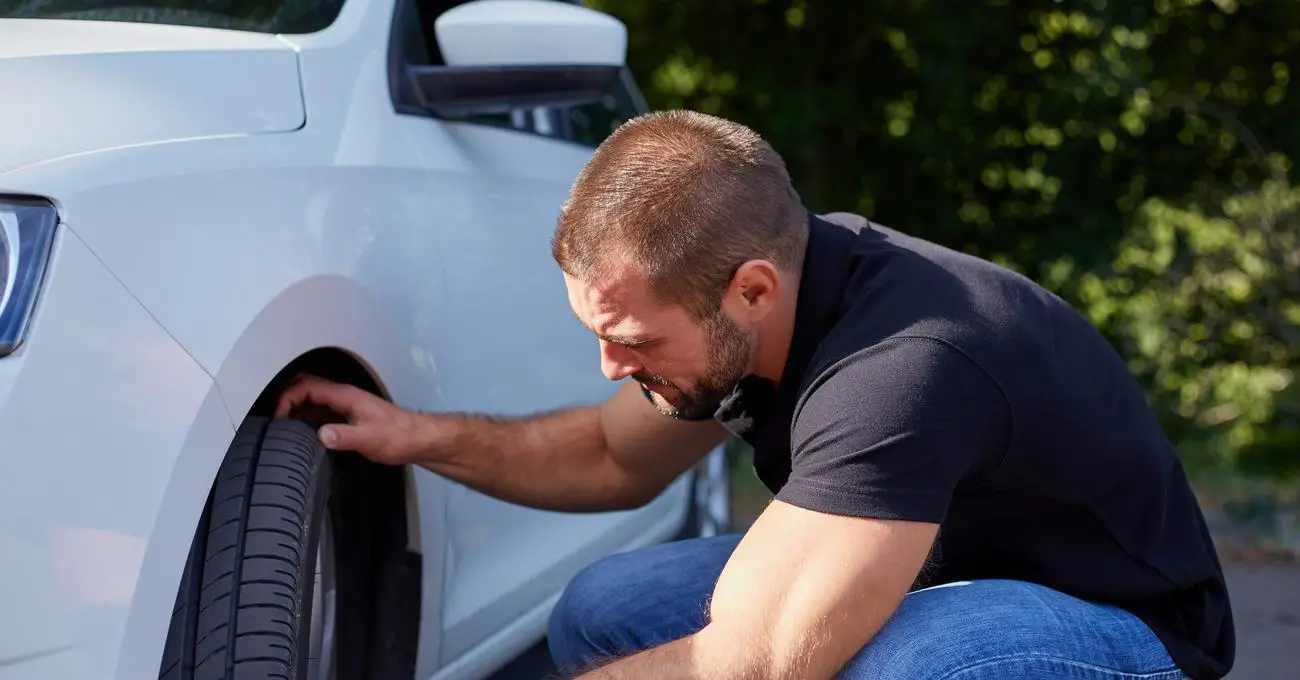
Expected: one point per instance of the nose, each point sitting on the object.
(617, 362)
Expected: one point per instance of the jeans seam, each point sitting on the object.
(1165, 674)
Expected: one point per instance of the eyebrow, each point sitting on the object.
(626, 342)
(616, 339)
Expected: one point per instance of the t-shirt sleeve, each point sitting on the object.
(890, 431)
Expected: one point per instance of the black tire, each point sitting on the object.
(243, 607)
(244, 604)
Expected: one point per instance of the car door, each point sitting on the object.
(504, 560)
(506, 342)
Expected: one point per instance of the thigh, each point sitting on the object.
(1010, 630)
(636, 600)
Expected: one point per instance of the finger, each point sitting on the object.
(346, 438)
(293, 394)
(284, 405)
(337, 396)
(316, 415)
(290, 399)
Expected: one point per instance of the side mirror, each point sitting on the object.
(509, 54)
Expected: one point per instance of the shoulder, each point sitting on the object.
(850, 221)
(911, 371)
(902, 286)
(891, 430)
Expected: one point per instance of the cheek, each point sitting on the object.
(673, 362)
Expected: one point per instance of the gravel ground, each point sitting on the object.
(1266, 610)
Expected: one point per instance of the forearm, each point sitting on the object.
(556, 461)
(706, 655)
(800, 596)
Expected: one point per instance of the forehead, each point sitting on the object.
(616, 294)
(620, 301)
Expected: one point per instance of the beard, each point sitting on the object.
(729, 352)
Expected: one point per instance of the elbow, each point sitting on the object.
(747, 652)
(637, 496)
(734, 654)
(610, 494)
(633, 489)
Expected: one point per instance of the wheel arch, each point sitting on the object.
(333, 326)
(340, 365)
(330, 326)
(391, 630)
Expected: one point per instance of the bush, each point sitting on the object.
(1204, 302)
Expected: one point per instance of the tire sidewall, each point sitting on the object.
(320, 499)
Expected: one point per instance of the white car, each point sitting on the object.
(200, 201)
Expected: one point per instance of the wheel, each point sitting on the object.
(301, 567)
(709, 513)
(258, 599)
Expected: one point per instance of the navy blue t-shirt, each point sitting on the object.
(925, 384)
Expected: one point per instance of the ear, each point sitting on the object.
(753, 291)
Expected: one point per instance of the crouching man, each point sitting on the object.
(968, 482)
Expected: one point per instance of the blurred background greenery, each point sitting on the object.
(1135, 157)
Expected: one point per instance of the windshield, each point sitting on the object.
(262, 16)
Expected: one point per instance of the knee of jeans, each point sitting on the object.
(966, 625)
(938, 630)
(579, 627)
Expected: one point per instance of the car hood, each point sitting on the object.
(73, 87)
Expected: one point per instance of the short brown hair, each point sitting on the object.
(685, 198)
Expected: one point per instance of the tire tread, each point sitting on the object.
(243, 602)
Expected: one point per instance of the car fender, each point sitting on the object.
(249, 252)
(163, 562)
(325, 311)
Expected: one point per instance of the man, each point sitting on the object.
(968, 481)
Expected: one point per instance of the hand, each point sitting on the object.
(354, 419)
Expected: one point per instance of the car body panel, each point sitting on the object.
(55, 663)
(231, 226)
(541, 358)
(107, 425)
(100, 85)
(517, 635)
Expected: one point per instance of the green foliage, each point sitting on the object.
(1129, 155)
(1206, 307)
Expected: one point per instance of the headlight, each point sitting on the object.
(26, 234)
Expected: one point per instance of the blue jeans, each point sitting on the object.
(1003, 630)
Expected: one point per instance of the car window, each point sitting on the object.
(587, 125)
(261, 16)
(590, 124)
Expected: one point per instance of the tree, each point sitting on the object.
(1068, 140)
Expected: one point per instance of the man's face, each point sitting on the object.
(688, 365)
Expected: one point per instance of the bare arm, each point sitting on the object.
(620, 454)
(617, 455)
(802, 594)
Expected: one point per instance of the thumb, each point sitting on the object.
(339, 437)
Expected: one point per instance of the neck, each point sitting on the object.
(775, 336)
